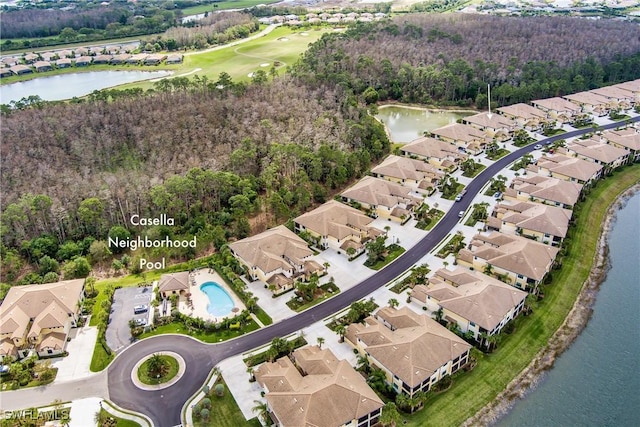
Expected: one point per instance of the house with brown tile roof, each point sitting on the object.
(567, 168)
(63, 63)
(515, 260)
(544, 189)
(627, 139)
(83, 61)
(494, 125)
(591, 102)
(558, 109)
(278, 251)
(137, 58)
(102, 59)
(596, 149)
(464, 136)
(173, 283)
(154, 59)
(338, 226)
(314, 388)
(477, 303)
(525, 115)
(413, 173)
(120, 58)
(618, 97)
(30, 58)
(42, 66)
(633, 87)
(444, 156)
(39, 317)
(20, 69)
(542, 223)
(383, 198)
(413, 350)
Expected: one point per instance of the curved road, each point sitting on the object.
(164, 406)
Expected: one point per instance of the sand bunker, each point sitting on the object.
(250, 75)
(304, 34)
(265, 64)
(283, 39)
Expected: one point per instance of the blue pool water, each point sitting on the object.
(220, 303)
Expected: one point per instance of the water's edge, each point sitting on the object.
(561, 340)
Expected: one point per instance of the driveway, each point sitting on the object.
(118, 333)
(80, 348)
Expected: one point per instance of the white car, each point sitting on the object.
(537, 146)
(460, 214)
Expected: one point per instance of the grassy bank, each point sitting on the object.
(472, 391)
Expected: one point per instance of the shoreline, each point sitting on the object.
(573, 325)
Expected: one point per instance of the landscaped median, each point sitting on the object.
(473, 390)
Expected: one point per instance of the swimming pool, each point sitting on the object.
(220, 303)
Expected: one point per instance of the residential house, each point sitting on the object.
(174, 58)
(558, 109)
(440, 154)
(83, 61)
(542, 223)
(30, 58)
(618, 98)
(627, 139)
(544, 189)
(137, 58)
(66, 54)
(314, 388)
(154, 59)
(173, 284)
(478, 304)
(81, 51)
(63, 63)
(49, 56)
(102, 59)
(467, 137)
(591, 103)
(494, 125)
(275, 257)
(515, 260)
(39, 317)
(567, 168)
(633, 87)
(42, 66)
(413, 173)
(413, 350)
(597, 150)
(20, 69)
(338, 226)
(383, 198)
(10, 61)
(120, 58)
(5, 72)
(525, 115)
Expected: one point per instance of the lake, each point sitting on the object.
(405, 124)
(66, 86)
(596, 382)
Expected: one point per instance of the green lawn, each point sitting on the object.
(224, 4)
(293, 303)
(172, 371)
(224, 411)
(423, 225)
(394, 251)
(119, 422)
(263, 316)
(210, 337)
(479, 167)
(498, 154)
(100, 359)
(473, 390)
(453, 195)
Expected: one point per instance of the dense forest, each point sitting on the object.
(451, 58)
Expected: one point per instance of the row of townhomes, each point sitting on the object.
(495, 273)
(38, 318)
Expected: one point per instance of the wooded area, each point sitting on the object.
(451, 58)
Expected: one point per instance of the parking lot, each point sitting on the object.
(118, 334)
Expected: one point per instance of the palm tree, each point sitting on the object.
(320, 342)
(362, 363)
(157, 366)
(488, 269)
(251, 373)
(341, 330)
(390, 415)
(263, 411)
(393, 303)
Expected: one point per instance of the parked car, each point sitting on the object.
(537, 146)
(497, 195)
(460, 214)
(141, 321)
(138, 309)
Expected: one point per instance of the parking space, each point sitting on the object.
(118, 333)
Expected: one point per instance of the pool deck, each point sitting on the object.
(200, 300)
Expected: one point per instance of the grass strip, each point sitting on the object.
(470, 392)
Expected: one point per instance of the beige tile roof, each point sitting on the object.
(53, 340)
(546, 219)
(523, 111)
(597, 150)
(557, 104)
(328, 392)
(573, 167)
(460, 132)
(415, 349)
(632, 86)
(433, 148)
(474, 296)
(335, 219)
(490, 120)
(588, 98)
(546, 188)
(379, 192)
(629, 138)
(614, 92)
(47, 305)
(268, 250)
(174, 282)
(7, 348)
(406, 168)
(514, 253)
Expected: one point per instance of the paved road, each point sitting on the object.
(164, 407)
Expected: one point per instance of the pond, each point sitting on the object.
(66, 86)
(405, 123)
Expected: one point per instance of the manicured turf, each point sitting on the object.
(100, 358)
(224, 4)
(210, 337)
(120, 422)
(172, 371)
(225, 412)
(471, 391)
